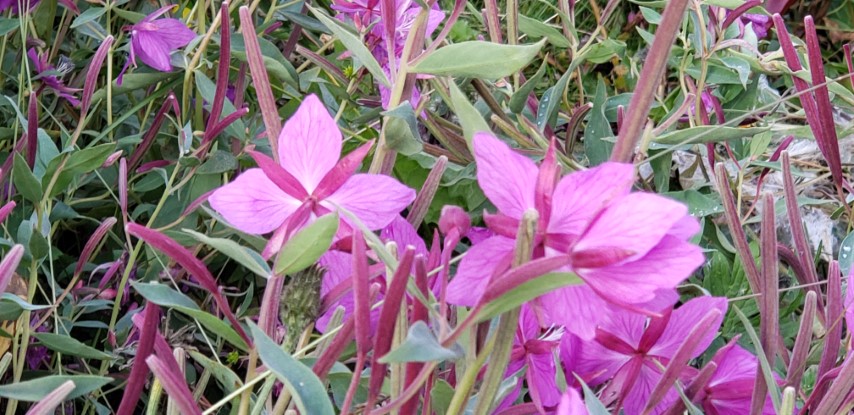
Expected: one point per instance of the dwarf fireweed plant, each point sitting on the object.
(424, 207)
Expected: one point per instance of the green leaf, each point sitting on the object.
(740, 66)
(244, 256)
(79, 162)
(225, 376)
(208, 90)
(470, 118)
(650, 15)
(598, 150)
(603, 51)
(219, 162)
(402, 130)
(593, 404)
(165, 296)
(699, 204)
(537, 29)
(70, 346)
(307, 390)
(478, 59)
(87, 16)
(520, 97)
(38, 245)
(526, 292)
(421, 345)
(707, 134)
(134, 82)
(36, 389)
(7, 25)
(354, 45)
(550, 102)
(304, 248)
(25, 181)
(767, 372)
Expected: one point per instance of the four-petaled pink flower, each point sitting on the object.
(630, 249)
(631, 351)
(309, 181)
(47, 74)
(730, 390)
(153, 40)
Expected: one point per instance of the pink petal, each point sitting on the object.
(571, 404)
(151, 50)
(685, 228)
(375, 199)
(252, 203)
(578, 308)
(310, 143)
(579, 196)
(541, 380)
(683, 320)
(402, 233)
(634, 224)
(638, 396)
(635, 282)
(173, 33)
(735, 364)
(506, 177)
(849, 305)
(476, 269)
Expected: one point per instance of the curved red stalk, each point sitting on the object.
(95, 239)
(139, 370)
(148, 138)
(193, 266)
(222, 70)
(92, 74)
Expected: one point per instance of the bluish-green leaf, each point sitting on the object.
(478, 59)
(470, 119)
(36, 389)
(244, 256)
(308, 392)
(421, 345)
(26, 183)
(304, 248)
(70, 346)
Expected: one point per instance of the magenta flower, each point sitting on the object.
(50, 76)
(729, 391)
(309, 181)
(154, 40)
(631, 249)
(336, 289)
(631, 351)
(848, 304)
(536, 352)
(366, 15)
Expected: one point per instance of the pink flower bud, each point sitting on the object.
(454, 217)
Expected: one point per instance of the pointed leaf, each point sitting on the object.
(25, 181)
(70, 346)
(36, 389)
(421, 345)
(304, 248)
(244, 256)
(308, 392)
(478, 59)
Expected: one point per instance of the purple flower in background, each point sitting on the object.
(631, 249)
(153, 40)
(336, 289)
(730, 389)
(13, 4)
(631, 351)
(50, 76)
(309, 181)
(366, 15)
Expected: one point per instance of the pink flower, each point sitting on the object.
(336, 289)
(730, 389)
(631, 351)
(309, 181)
(154, 40)
(46, 73)
(849, 306)
(536, 352)
(631, 249)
